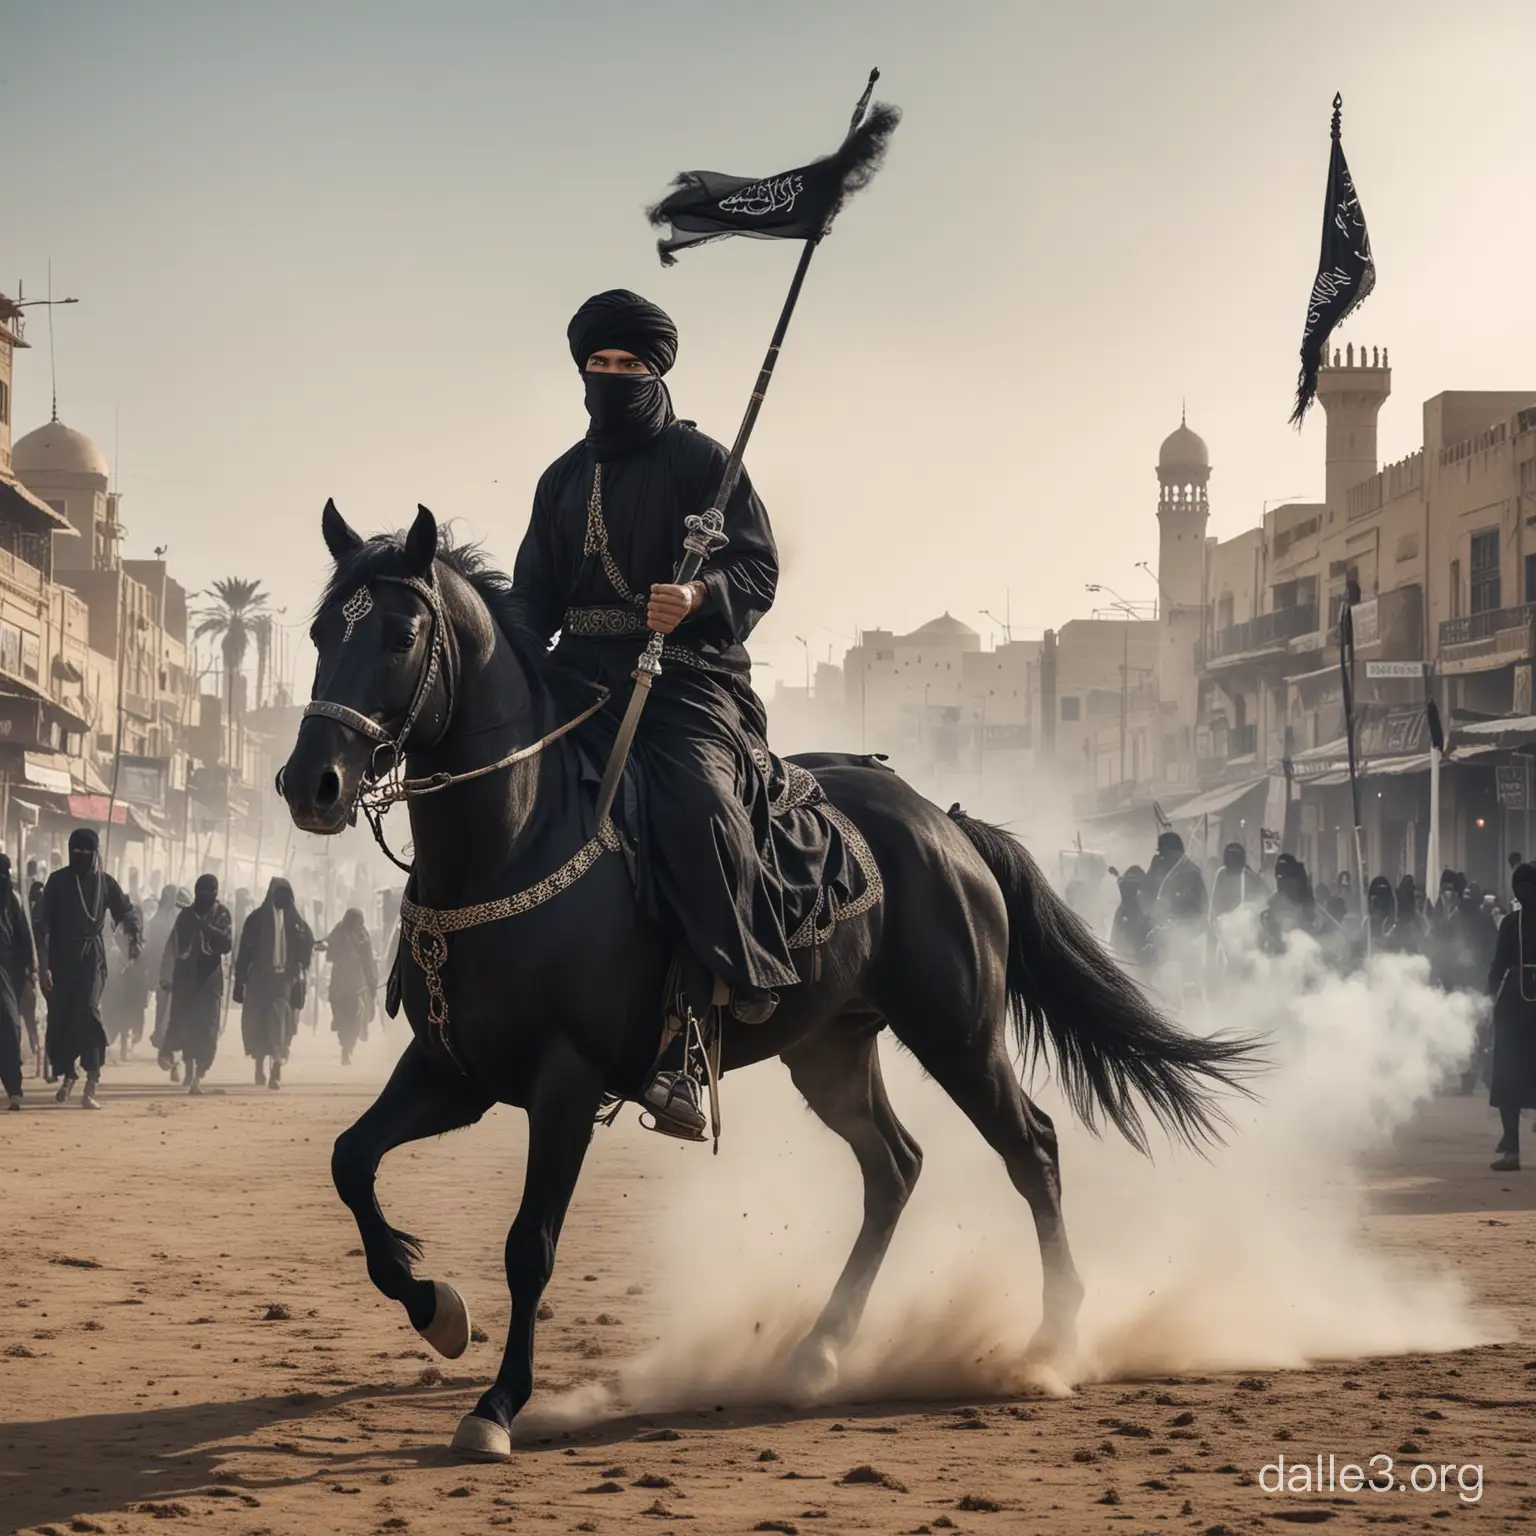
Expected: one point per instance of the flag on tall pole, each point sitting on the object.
(704, 206)
(1346, 270)
(793, 205)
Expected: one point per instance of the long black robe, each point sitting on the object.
(71, 918)
(704, 804)
(16, 963)
(1512, 1082)
(269, 994)
(354, 982)
(192, 965)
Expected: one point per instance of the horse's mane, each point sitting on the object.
(384, 554)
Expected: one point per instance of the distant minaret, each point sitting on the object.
(1352, 390)
(1183, 471)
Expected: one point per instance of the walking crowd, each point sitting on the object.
(83, 966)
(1181, 928)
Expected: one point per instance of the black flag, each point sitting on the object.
(1346, 272)
(794, 205)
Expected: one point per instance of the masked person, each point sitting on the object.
(72, 960)
(157, 933)
(17, 964)
(353, 991)
(1131, 928)
(192, 977)
(276, 946)
(1512, 985)
(1411, 931)
(597, 565)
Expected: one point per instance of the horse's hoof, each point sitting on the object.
(479, 1439)
(812, 1371)
(448, 1332)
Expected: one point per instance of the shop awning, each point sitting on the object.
(1503, 735)
(31, 512)
(94, 808)
(1214, 801)
(1377, 768)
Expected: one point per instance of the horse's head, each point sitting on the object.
(385, 679)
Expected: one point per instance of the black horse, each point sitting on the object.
(551, 1001)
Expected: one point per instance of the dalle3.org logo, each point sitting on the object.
(1379, 1474)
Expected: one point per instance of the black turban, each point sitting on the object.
(624, 320)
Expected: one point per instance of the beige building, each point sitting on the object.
(1436, 546)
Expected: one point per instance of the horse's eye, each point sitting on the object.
(404, 639)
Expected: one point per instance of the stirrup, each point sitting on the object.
(753, 1005)
(672, 1098)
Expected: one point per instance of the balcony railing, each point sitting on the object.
(1270, 631)
(1484, 626)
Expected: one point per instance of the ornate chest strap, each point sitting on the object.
(596, 542)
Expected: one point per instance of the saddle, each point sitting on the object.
(839, 880)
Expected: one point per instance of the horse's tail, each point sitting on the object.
(1112, 1047)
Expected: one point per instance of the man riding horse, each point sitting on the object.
(596, 566)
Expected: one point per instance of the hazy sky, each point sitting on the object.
(330, 248)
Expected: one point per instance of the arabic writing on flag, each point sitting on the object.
(1346, 270)
(794, 205)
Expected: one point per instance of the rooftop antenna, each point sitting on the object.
(49, 303)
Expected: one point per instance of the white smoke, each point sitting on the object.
(1257, 1257)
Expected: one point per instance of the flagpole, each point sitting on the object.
(705, 534)
(1346, 672)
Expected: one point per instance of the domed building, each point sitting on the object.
(1183, 458)
(66, 470)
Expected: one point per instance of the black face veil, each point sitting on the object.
(627, 410)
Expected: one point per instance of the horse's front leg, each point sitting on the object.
(561, 1111)
(420, 1099)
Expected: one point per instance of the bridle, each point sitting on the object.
(384, 785)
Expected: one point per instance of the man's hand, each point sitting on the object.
(671, 604)
(135, 949)
(47, 981)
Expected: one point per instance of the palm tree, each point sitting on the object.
(236, 610)
(261, 628)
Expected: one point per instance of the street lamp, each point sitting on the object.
(805, 646)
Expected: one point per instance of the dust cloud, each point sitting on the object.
(1253, 1257)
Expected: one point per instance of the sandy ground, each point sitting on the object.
(187, 1333)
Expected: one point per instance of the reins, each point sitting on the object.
(385, 788)
(426, 929)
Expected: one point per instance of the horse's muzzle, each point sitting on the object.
(322, 778)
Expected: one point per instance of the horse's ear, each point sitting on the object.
(421, 543)
(340, 537)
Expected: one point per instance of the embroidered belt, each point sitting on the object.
(604, 621)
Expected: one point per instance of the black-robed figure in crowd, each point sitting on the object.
(157, 933)
(354, 985)
(1411, 933)
(1512, 985)
(597, 565)
(37, 876)
(72, 960)
(1235, 884)
(1131, 928)
(276, 946)
(17, 964)
(192, 977)
(1293, 908)
(1174, 883)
